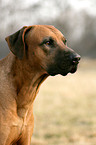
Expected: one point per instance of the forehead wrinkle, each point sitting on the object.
(43, 32)
(55, 31)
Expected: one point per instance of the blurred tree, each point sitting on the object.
(87, 42)
(79, 27)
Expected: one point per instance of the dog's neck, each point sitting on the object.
(27, 80)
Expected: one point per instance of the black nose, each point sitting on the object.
(76, 59)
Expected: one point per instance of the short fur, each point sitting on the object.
(36, 52)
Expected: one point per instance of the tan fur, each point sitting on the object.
(20, 80)
(19, 83)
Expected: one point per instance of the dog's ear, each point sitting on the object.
(16, 42)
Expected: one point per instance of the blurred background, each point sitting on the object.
(65, 108)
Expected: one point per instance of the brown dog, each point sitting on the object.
(36, 52)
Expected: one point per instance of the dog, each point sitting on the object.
(37, 52)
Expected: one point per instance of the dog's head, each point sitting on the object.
(44, 47)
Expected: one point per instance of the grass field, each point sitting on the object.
(65, 108)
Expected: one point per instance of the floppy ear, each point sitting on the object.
(16, 42)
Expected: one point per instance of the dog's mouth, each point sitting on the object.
(73, 69)
(63, 67)
(74, 66)
(69, 69)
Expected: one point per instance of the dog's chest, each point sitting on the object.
(27, 117)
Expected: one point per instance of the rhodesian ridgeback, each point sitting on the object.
(36, 52)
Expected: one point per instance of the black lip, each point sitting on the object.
(63, 74)
(73, 69)
(62, 69)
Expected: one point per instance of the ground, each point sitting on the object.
(65, 108)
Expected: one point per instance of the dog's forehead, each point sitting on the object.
(42, 31)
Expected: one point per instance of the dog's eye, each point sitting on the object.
(49, 42)
(65, 42)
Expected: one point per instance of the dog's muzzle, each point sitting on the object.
(64, 63)
(75, 61)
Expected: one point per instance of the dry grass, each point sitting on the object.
(65, 108)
